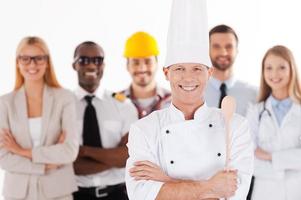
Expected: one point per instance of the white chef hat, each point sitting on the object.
(188, 36)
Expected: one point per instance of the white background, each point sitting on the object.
(63, 24)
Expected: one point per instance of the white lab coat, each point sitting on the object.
(279, 179)
(188, 149)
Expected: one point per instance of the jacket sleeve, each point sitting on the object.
(66, 152)
(11, 162)
(288, 159)
(242, 157)
(253, 119)
(140, 149)
(17, 164)
(130, 115)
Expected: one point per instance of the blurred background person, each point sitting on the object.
(141, 52)
(104, 121)
(223, 51)
(38, 129)
(276, 128)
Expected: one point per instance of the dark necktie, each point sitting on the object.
(223, 89)
(91, 133)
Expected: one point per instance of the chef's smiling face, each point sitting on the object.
(188, 82)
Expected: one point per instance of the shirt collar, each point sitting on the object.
(159, 92)
(81, 93)
(202, 113)
(283, 103)
(217, 83)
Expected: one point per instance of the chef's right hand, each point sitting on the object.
(224, 183)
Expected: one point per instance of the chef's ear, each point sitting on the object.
(165, 71)
(210, 72)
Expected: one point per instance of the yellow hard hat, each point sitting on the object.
(141, 44)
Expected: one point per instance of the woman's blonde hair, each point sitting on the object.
(294, 89)
(49, 77)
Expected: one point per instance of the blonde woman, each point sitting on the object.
(37, 129)
(276, 126)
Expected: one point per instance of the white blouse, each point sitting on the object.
(35, 129)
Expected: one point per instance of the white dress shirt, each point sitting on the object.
(281, 107)
(188, 149)
(114, 119)
(241, 91)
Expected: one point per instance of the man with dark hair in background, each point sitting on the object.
(104, 124)
(223, 43)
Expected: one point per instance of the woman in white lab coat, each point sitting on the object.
(276, 126)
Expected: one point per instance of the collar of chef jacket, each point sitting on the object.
(202, 113)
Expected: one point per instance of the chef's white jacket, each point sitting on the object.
(188, 149)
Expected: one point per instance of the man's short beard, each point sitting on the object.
(222, 68)
(142, 84)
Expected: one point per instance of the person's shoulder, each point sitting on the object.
(120, 101)
(8, 97)
(246, 86)
(125, 93)
(214, 112)
(256, 105)
(61, 91)
(116, 98)
(210, 83)
(157, 114)
(154, 119)
(254, 108)
(217, 114)
(62, 94)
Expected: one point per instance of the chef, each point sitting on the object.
(180, 152)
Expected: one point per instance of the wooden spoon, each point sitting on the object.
(228, 109)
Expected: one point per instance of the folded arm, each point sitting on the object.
(145, 179)
(113, 157)
(12, 162)
(86, 166)
(61, 153)
(183, 189)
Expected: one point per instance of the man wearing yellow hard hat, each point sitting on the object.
(141, 51)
